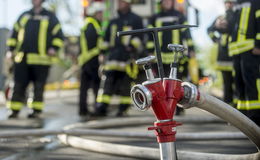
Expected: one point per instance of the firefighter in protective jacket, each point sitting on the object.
(35, 40)
(220, 32)
(245, 49)
(90, 44)
(117, 75)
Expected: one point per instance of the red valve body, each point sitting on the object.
(166, 94)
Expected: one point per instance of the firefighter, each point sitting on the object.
(170, 16)
(33, 44)
(118, 68)
(245, 49)
(90, 45)
(219, 32)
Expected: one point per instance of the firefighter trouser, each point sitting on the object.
(89, 79)
(247, 80)
(227, 86)
(23, 75)
(114, 82)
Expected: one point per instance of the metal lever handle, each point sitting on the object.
(146, 62)
(176, 48)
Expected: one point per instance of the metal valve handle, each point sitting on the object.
(176, 48)
(146, 62)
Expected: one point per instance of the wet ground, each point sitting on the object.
(61, 110)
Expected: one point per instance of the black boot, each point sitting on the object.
(101, 110)
(122, 111)
(13, 114)
(35, 113)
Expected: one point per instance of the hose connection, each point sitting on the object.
(191, 95)
(141, 97)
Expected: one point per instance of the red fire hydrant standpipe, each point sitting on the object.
(162, 94)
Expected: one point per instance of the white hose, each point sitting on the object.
(231, 115)
(115, 133)
(145, 152)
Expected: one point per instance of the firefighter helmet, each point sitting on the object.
(128, 1)
(95, 7)
(234, 1)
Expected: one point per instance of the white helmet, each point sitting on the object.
(95, 7)
(234, 1)
(127, 1)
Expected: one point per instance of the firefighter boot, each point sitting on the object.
(12, 114)
(101, 110)
(122, 111)
(35, 113)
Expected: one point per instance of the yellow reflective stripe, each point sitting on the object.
(14, 105)
(83, 43)
(84, 57)
(211, 35)
(240, 47)
(176, 36)
(94, 22)
(115, 67)
(159, 24)
(102, 44)
(43, 36)
(224, 68)
(258, 36)
(136, 42)
(113, 35)
(184, 29)
(36, 59)
(57, 42)
(224, 39)
(243, 24)
(103, 98)
(150, 26)
(248, 105)
(241, 105)
(149, 45)
(125, 100)
(126, 39)
(16, 27)
(132, 70)
(257, 14)
(11, 42)
(24, 20)
(21, 32)
(189, 42)
(56, 29)
(253, 105)
(167, 58)
(36, 105)
(258, 88)
(19, 57)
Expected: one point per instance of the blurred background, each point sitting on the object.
(70, 13)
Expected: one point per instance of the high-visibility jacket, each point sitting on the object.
(246, 33)
(122, 49)
(181, 36)
(221, 37)
(90, 41)
(32, 36)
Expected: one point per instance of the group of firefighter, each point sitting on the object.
(108, 61)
